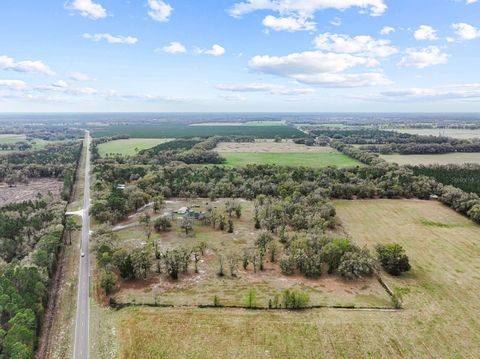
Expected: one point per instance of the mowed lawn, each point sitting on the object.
(441, 318)
(441, 159)
(129, 146)
(307, 159)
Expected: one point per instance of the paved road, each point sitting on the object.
(81, 346)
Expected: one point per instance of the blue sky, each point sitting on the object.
(250, 55)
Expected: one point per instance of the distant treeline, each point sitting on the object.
(465, 177)
(185, 131)
(424, 148)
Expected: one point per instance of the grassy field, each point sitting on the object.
(442, 159)
(11, 138)
(449, 132)
(181, 130)
(249, 123)
(310, 159)
(129, 146)
(199, 289)
(440, 319)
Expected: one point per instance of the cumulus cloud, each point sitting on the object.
(361, 45)
(423, 58)
(8, 63)
(63, 87)
(387, 30)
(16, 85)
(425, 32)
(174, 48)
(289, 23)
(159, 10)
(466, 31)
(88, 8)
(78, 76)
(129, 40)
(216, 50)
(264, 87)
(305, 7)
(319, 68)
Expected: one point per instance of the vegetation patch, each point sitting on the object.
(128, 147)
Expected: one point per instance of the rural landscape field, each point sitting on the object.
(241, 179)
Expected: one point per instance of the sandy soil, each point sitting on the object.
(27, 192)
(268, 146)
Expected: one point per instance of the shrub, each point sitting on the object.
(356, 264)
(162, 224)
(287, 265)
(393, 258)
(295, 299)
(251, 298)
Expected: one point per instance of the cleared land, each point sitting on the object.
(129, 146)
(199, 289)
(285, 153)
(440, 319)
(27, 192)
(448, 132)
(11, 138)
(441, 159)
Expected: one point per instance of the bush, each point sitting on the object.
(295, 299)
(251, 298)
(107, 281)
(162, 224)
(393, 258)
(287, 265)
(356, 264)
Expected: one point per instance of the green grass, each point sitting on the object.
(11, 138)
(129, 146)
(185, 131)
(312, 159)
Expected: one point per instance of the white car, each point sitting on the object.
(83, 254)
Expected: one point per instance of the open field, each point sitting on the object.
(11, 138)
(440, 319)
(441, 159)
(448, 132)
(180, 130)
(249, 123)
(309, 159)
(26, 192)
(199, 289)
(129, 146)
(269, 146)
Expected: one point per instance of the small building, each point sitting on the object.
(183, 210)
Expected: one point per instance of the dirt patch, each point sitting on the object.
(269, 146)
(29, 191)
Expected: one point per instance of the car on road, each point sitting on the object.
(83, 254)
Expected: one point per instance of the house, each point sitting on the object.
(121, 186)
(183, 210)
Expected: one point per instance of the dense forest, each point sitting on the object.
(31, 234)
(465, 177)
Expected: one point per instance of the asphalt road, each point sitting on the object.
(81, 346)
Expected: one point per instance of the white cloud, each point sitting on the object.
(174, 48)
(290, 23)
(471, 2)
(336, 21)
(159, 10)
(233, 98)
(387, 30)
(361, 45)
(216, 50)
(8, 63)
(78, 76)
(129, 40)
(88, 8)
(306, 7)
(63, 87)
(422, 58)
(466, 31)
(263, 87)
(319, 68)
(425, 32)
(441, 93)
(16, 85)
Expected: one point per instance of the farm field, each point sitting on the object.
(441, 159)
(11, 138)
(182, 130)
(198, 289)
(248, 123)
(448, 132)
(441, 302)
(128, 147)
